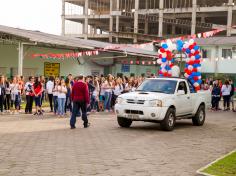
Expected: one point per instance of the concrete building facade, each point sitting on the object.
(136, 21)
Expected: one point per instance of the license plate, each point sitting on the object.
(133, 116)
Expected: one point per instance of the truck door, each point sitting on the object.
(183, 101)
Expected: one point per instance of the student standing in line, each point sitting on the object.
(15, 95)
(8, 97)
(49, 89)
(226, 89)
(232, 94)
(37, 90)
(2, 93)
(55, 95)
(68, 104)
(62, 90)
(29, 95)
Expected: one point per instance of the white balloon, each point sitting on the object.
(196, 84)
(164, 55)
(163, 65)
(199, 77)
(170, 71)
(187, 59)
(192, 58)
(163, 70)
(191, 41)
(159, 61)
(199, 69)
(174, 47)
(186, 45)
(186, 75)
(192, 51)
(175, 71)
(190, 67)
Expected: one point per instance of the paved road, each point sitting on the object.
(32, 147)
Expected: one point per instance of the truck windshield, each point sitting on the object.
(158, 85)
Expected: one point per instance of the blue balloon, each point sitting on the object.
(188, 51)
(160, 75)
(179, 48)
(173, 60)
(165, 46)
(195, 65)
(197, 56)
(163, 59)
(186, 65)
(198, 74)
(167, 67)
(196, 47)
(199, 81)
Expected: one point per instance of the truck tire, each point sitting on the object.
(199, 118)
(123, 122)
(168, 123)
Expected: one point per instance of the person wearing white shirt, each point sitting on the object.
(226, 89)
(118, 89)
(49, 89)
(55, 95)
(62, 90)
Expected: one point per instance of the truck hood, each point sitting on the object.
(144, 96)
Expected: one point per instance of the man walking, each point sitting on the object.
(80, 99)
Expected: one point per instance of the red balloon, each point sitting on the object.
(195, 70)
(196, 52)
(191, 62)
(185, 70)
(197, 61)
(194, 44)
(160, 72)
(195, 78)
(191, 47)
(189, 72)
(165, 74)
(197, 88)
(162, 50)
(160, 56)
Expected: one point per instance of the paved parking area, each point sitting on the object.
(47, 147)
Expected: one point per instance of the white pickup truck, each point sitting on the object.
(163, 100)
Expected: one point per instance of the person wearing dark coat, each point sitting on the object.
(215, 95)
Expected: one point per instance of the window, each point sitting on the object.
(125, 68)
(206, 53)
(192, 89)
(158, 85)
(226, 53)
(183, 86)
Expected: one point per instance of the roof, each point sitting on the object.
(216, 41)
(65, 41)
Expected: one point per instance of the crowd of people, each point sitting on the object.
(102, 93)
(218, 90)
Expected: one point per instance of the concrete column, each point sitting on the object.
(146, 24)
(20, 58)
(63, 18)
(160, 27)
(86, 19)
(117, 19)
(194, 17)
(95, 30)
(136, 20)
(111, 22)
(230, 17)
(203, 19)
(173, 32)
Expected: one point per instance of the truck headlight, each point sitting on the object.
(120, 100)
(155, 103)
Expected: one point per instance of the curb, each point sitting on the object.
(199, 171)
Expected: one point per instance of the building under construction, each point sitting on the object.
(134, 21)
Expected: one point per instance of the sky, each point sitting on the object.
(40, 15)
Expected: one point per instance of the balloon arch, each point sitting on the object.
(193, 60)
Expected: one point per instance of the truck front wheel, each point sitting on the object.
(199, 118)
(123, 122)
(169, 122)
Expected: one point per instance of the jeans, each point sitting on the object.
(29, 104)
(55, 103)
(61, 106)
(50, 97)
(77, 106)
(107, 103)
(1, 102)
(94, 103)
(38, 101)
(226, 101)
(7, 102)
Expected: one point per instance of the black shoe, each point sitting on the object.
(72, 127)
(36, 113)
(86, 125)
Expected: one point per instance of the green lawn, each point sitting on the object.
(223, 167)
(45, 104)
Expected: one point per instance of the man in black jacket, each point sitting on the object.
(232, 94)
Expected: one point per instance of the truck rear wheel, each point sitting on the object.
(168, 123)
(199, 118)
(123, 122)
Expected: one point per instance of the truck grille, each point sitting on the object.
(132, 101)
(133, 112)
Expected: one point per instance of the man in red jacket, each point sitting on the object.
(80, 99)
